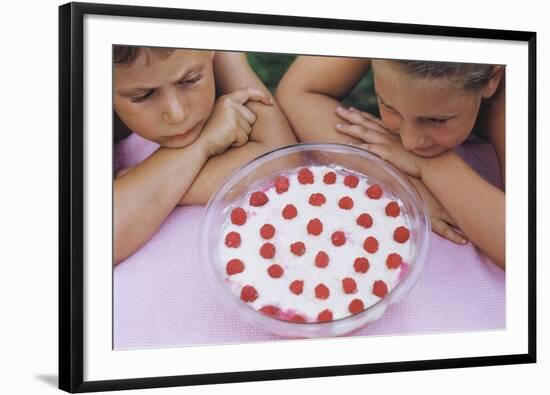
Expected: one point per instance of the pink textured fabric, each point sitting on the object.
(161, 298)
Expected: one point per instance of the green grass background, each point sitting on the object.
(270, 68)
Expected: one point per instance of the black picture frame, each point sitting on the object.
(71, 196)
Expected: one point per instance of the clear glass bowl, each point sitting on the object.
(262, 171)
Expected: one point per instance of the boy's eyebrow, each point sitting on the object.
(132, 91)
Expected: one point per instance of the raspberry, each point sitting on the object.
(234, 266)
(393, 261)
(267, 231)
(233, 240)
(329, 178)
(297, 318)
(281, 184)
(401, 234)
(315, 227)
(275, 271)
(351, 181)
(238, 216)
(349, 285)
(270, 309)
(361, 265)
(305, 176)
(321, 259)
(374, 191)
(317, 199)
(379, 288)
(364, 220)
(356, 306)
(258, 199)
(267, 251)
(346, 203)
(322, 292)
(297, 287)
(290, 211)
(338, 238)
(324, 316)
(392, 209)
(249, 293)
(298, 248)
(370, 245)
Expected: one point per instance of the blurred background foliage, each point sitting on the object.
(270, 67)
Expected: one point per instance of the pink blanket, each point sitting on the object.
(161, 298)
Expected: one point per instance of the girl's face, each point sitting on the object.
(430, 115)
(166, 100)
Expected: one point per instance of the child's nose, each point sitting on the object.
(411, 138)
(174, 111)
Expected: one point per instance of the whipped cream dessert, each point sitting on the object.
(317, 244)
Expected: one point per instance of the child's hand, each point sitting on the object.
(379, 140)
(230, 123)
(442, 223)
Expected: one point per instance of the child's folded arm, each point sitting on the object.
(311, 90)
(269, 131)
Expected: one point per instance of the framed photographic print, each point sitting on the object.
(250, 197)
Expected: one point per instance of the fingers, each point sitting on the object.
(361, 133)
(243, 95)
(245, 113)
(356, 117)
(369, 116)
(445, 230)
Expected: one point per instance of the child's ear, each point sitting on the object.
(493, 83)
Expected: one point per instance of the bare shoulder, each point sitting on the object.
(332, 76)
(232, 72)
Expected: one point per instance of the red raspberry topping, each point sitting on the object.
(267, 231)
(321, 259)
(346, 203)
(361, 265)
(329, 178)
(324, 316)
(370, 244)
(379, 288)
(393, 261)
(356, 306)
(392, 209)
(298, 248)
(290, 211)
(275, 270)
(364, 220)
(281, 184)
(401, 234)
(315, 227)
(234, 266)
(338, 238)
(349, 285)
(296, 287)
(317, 199)
(249, 293)
(258, 199)
(305, 176)
(322, 291)
(267, 250)
(297, 318)
(351, 181)
(238, 216)
(233, 240)
(270, 309)
(374, 191)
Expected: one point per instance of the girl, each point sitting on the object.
(208, 112)
(426, 110)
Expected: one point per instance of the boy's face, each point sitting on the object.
(166, 100)
(430, 115)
